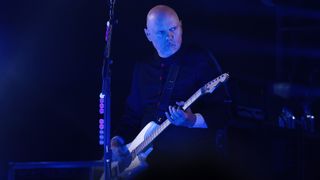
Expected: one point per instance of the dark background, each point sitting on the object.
(50, 71)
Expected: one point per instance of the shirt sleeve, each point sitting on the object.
(200, 122)
(129, 124)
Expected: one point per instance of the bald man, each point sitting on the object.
(190, 137)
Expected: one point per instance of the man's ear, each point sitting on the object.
(181, 26)
(146, 31)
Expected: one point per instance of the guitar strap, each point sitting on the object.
(167, 91)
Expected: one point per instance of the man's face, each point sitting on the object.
(165, 33)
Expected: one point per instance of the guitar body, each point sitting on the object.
(139, 163)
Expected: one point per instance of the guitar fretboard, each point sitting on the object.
(163, 126)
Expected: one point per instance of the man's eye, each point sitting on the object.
(173, 29)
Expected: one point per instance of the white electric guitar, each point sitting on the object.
(140, 148)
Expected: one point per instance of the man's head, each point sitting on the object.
(164, 30)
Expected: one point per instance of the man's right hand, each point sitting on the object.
(120, 152)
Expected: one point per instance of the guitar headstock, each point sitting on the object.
(212, 85)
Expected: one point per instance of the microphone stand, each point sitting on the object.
(106, 92)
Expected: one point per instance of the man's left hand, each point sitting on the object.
(179, 117)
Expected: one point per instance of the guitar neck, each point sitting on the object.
(163, 126)
(192, 99)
